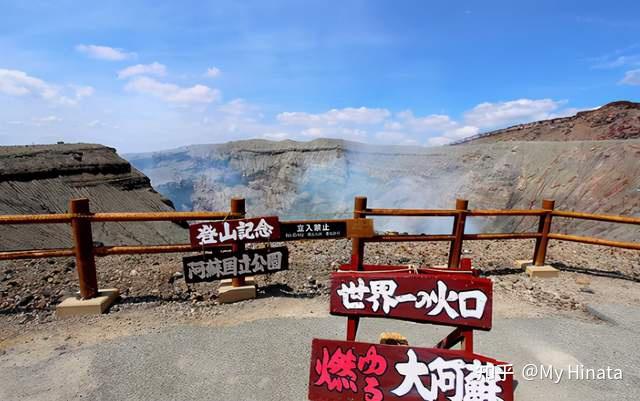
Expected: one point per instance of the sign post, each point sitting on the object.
(234, 286)
(325, 229)
(350, 370)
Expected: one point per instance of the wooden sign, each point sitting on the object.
(313, 230)
(223, 232)
(219, 265)
(361, 228)
(440, 298)
(352, 371)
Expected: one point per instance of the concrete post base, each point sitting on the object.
(545, 271)
(523, 263)
(93, 306)
(228, 294)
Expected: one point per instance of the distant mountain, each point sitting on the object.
(616, 120)
(43, 178)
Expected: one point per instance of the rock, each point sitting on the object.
(25, 300)
(588, 290)
(133, 272)
(175, 276)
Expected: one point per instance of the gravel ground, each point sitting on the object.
(29, 290)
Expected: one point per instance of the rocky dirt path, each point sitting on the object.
(259, 350)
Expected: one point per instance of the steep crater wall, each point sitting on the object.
(43, 178)
(319, 179)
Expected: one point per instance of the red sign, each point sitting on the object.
(352, 371)
(441, 298)
(224, 232)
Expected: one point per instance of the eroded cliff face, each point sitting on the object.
(43, 178)
(319, 179)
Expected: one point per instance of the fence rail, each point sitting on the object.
(80, 219)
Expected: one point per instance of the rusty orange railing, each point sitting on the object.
(80, 218)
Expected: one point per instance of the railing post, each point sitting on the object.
(83, 248)
(357, 250)
(544, 226)
(459, 221)
(238, 206)
(357, 259)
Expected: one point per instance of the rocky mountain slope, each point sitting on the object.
(320, 178)
(616, 120)
(43, 178)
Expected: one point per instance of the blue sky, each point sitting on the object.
(154, 75)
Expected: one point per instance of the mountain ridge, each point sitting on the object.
(612, 121)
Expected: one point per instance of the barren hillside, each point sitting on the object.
(42, 179)
(616, 120)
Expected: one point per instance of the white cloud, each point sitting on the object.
(631, 78)
(18, 83)
(154, 68)
(237, 107)
(212, 72)
(453, 135)
(493, 115)
(48, 119)
(276, 136)
(429, 124)
(348, 133)
(37, 121)
(439, 141)
(173, 93)
(349, 115)
(313, 132)
(619, 61)
(395, 138)
(84, 91)
(104, 52)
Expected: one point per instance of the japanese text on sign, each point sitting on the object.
(373, 372)
(436, 298)
(247, 230)
(317, 230)
(221, 265)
